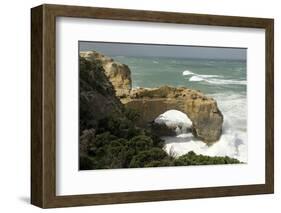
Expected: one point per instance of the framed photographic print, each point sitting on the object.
(136, 106)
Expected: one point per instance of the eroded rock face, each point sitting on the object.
(118, 74)
(203, 111)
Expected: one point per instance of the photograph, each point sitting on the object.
(145, 105)
(156, 105)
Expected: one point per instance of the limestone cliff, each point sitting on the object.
(118, 74)
(203, 111)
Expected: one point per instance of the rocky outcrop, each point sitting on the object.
(201, 110)
(163, 130)
(118, 74)
(97, 97)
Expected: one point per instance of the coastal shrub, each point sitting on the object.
(140, 143)
(117, 153)
(104, 139)
(86, 118)
(85, 163)
(123, 127)
(146, 157)
(157, 141)
(134, 131)
(116, 125)
(109, 151)
(160, 163)
(193, 159)
(131, 114)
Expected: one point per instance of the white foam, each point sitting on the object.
(210, 76)
(231, 144)
(233, 141)
(174, 118)
(226, 81)
(212, 79)
(187, 72)
(196, 78)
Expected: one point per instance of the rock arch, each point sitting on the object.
(203, 111)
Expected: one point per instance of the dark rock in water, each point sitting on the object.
(161, 129)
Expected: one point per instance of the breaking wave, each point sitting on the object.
(196, 78)
(233, 141)
(212, 79)
(187, 72)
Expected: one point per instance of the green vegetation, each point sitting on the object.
(192, 159)
(118, 143)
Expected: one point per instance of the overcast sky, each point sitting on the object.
(173, 51)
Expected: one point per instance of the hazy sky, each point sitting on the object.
(173, 51)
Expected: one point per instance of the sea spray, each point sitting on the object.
(233, 142)
(175, 119)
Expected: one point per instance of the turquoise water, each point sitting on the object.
(209, 76)
(224, 80)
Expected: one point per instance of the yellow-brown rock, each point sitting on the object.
(118, 74)
(202, 110)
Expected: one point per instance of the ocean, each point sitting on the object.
(224, 80)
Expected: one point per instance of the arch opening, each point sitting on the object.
(171, 123)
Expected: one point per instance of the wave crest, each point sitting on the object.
(187, 72)
(196, 78)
